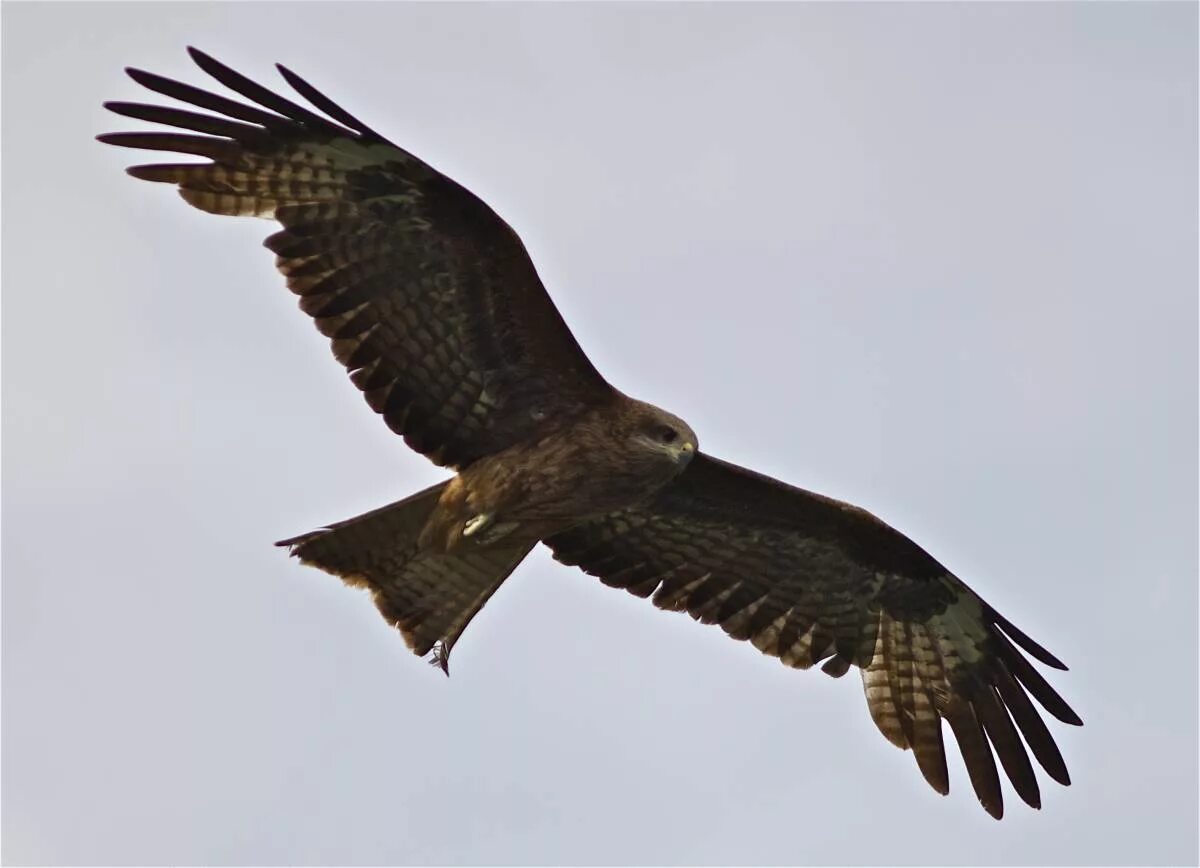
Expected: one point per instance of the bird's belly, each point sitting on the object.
(549, 490)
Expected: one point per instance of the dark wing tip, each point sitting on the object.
(159, 173)
(264, 97)
(296, 541)
(325, 104)
(201, 57)
(212, 66)
(1032, 648)
(141, 76)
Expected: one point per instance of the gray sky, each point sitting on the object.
(937, 260)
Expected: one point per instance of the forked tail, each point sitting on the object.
(429, 596)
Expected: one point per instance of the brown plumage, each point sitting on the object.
(434, 308)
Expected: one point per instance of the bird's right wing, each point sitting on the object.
(430, 299)
(809, 579)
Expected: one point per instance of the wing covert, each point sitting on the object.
(428, 297)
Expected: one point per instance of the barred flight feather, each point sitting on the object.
(841, 587)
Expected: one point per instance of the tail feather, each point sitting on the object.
(429, 596)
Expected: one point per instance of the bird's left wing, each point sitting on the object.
(808, 579)
(428, 297)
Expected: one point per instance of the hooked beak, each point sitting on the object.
(687, 450)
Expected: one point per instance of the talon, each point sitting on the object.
(476, 524)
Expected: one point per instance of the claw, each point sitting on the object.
(476, 524)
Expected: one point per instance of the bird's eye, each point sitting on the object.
(667, 434)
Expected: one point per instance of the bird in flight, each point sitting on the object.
(432, 304)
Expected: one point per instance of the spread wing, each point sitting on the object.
(429, 298)
(809, 579)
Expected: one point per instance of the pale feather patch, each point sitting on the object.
(877, 686)
(767, 640)
(739, 622)
(799, 655)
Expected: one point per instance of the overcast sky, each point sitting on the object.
(937, 260)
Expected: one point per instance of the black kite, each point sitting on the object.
(435, 309)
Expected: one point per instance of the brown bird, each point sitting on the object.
(435, 309)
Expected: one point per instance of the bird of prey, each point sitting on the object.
(433, 306)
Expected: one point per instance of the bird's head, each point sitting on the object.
(662, 436)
